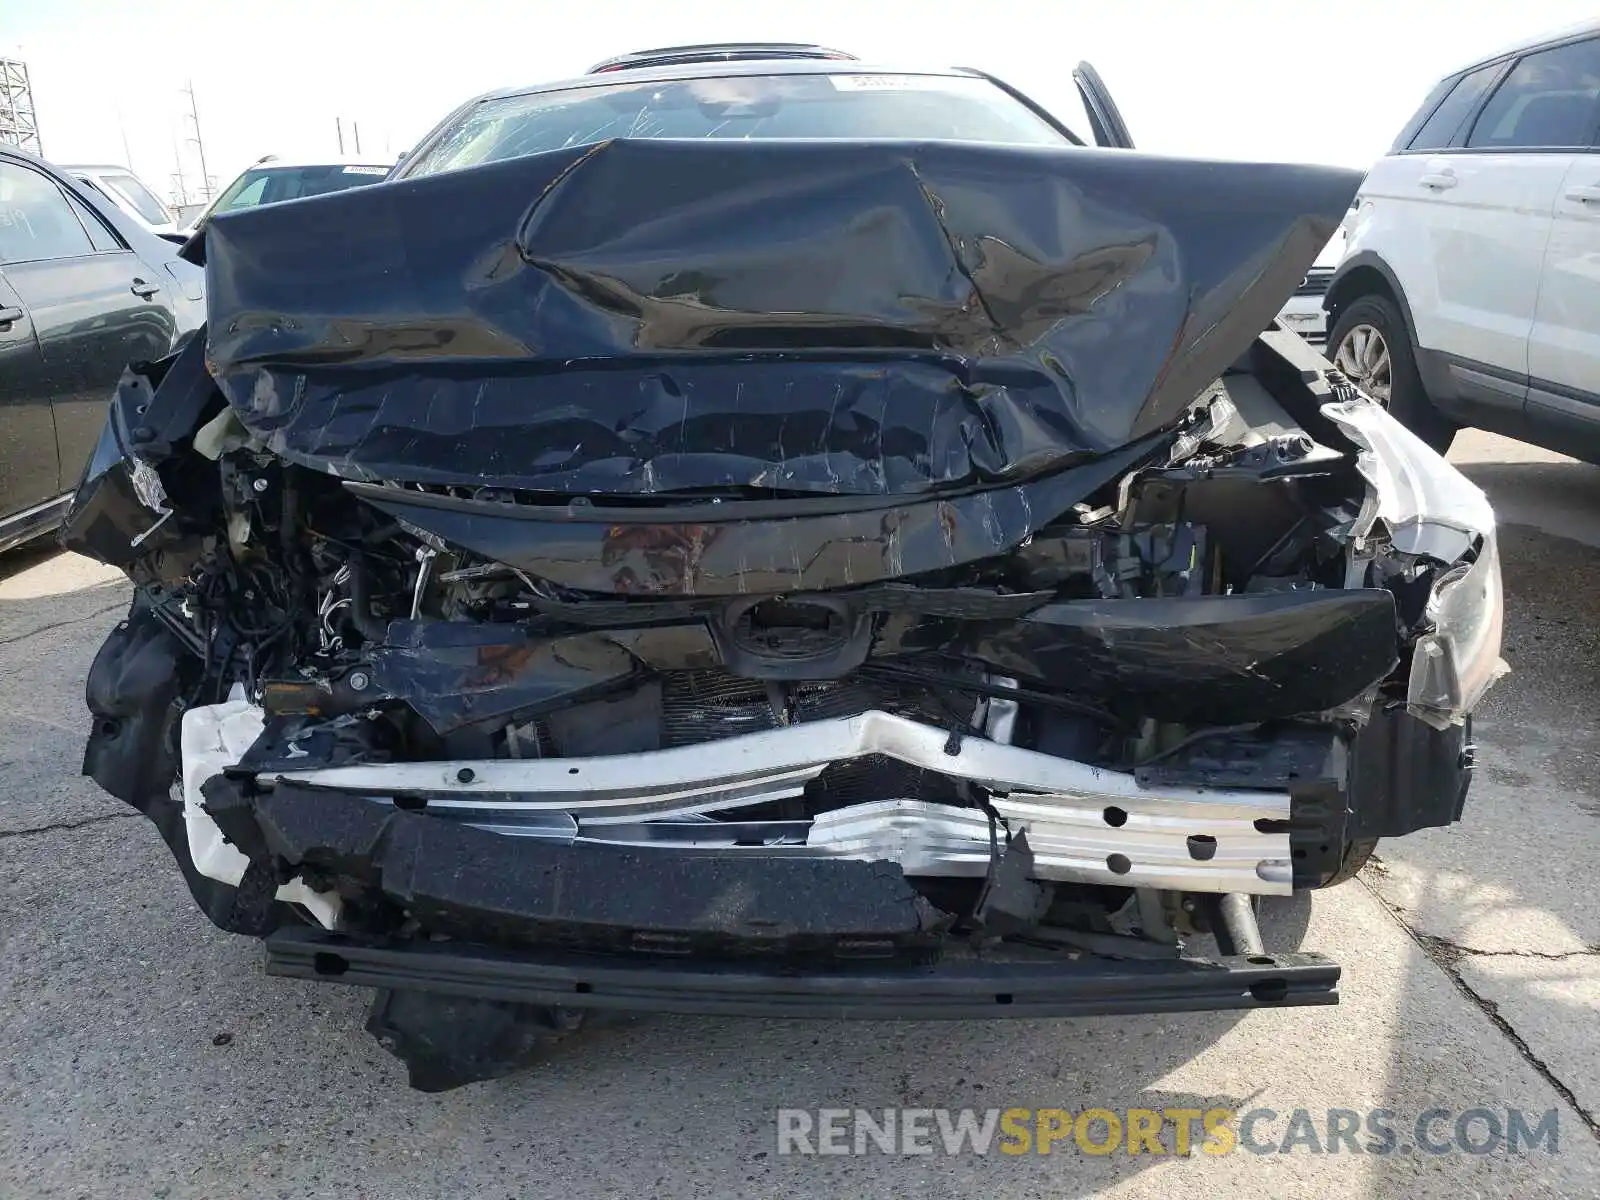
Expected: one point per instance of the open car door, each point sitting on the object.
(1109, 127)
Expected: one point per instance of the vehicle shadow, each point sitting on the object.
(55, 609)
(46, 585)
(714, 1088)
(1560, 498)
(28, 557)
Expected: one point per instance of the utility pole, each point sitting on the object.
(127, 154)
(338, 126)
(194, 115)
(180, 189)
(357, 127)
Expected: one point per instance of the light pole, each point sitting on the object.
(194, 115)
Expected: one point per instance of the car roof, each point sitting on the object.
(1571, 33)
(99, 169)
(717, 52)
(723, 69)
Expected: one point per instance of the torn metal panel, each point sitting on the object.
(457, 673)
(850, 318)
(1427, 507)
(758, 547)
(1207, 658)
(123, 512)
(1227, 659)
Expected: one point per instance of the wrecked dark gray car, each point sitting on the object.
(773, 538)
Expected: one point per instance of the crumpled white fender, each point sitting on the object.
(1429, 509)
(216, 736)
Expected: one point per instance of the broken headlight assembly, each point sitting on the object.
(1433, 513)
(1452, 667)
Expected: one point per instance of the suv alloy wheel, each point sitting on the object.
(1369, 343)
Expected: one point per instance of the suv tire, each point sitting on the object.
(1380, 346)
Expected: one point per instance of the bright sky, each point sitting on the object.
(1308, 81)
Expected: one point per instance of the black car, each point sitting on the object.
(746, 532)
(84, 291)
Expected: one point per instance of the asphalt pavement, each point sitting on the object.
(143, 1053)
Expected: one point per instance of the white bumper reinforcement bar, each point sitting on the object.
(1083, 823)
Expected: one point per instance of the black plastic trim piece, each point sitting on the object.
(1452, 151)
(1564, 419)
(1565, 392)
(948, 991)
(1027, 102)
(717, 52)
(584, 511)
(1110, 130)
(1554, 415)
(475, 885)
(1405, 775)
(1338, 295)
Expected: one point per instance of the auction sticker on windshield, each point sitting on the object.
(886, 83)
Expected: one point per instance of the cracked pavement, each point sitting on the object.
(1505, 902)
(142, 1053)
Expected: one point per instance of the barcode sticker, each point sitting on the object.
(883, 83)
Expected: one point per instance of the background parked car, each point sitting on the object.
(1303, 312)
(1469, 293)
(188, 213)
(128, 192)
(272, 180)
(84, 290)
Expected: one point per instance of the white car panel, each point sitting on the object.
(1565, 342)
(1465, 234)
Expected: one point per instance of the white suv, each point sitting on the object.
(1469, 291)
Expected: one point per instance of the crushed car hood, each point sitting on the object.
(832, 318)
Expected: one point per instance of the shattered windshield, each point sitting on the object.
(837, 106)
